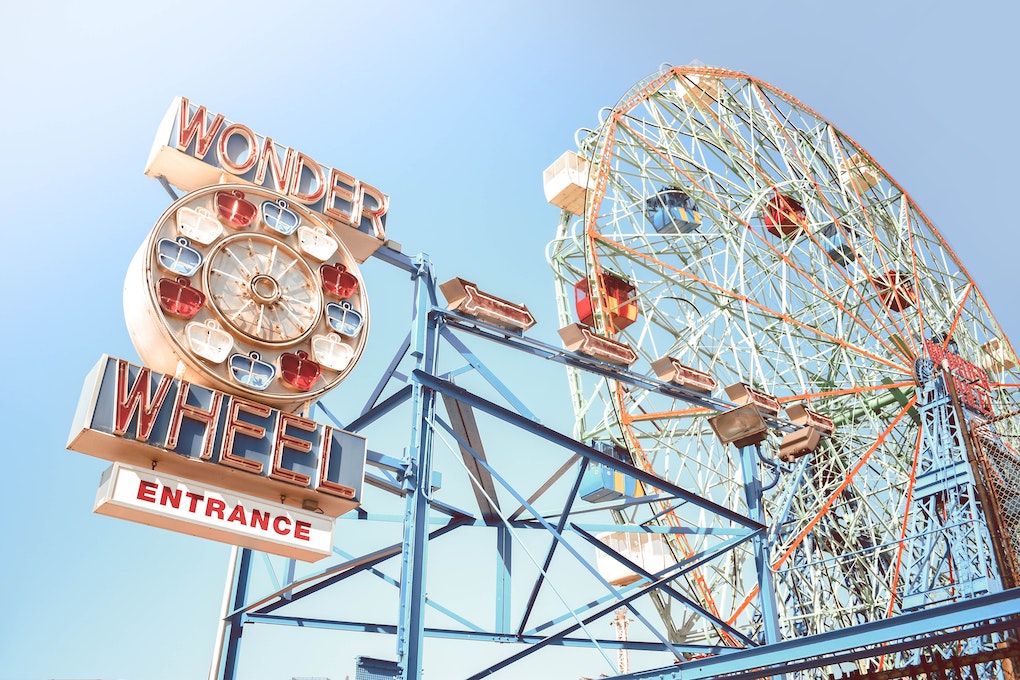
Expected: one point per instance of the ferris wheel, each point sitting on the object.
(714, 219)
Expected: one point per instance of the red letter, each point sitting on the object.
(316, 190)
(238, 515)
(276, 525)
(137, 399)
(215, 505)
(195, 498)
(301, 530)
(173, 496)
(147, 491)
(187, 129)
(347, 189)
(237, 167)
(183, 410)
(235, 426)
(268, 160)
(260, 520)
(374, 209)
(326, 485)
(282, 440)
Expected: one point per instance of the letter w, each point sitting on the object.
(136, 399)
(187, 129)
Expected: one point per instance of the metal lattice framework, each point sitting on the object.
(808, 273)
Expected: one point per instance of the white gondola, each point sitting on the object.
(209, 341)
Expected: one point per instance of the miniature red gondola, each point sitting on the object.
(178, 298)
(298, 371)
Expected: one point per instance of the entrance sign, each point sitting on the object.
(195, 148)
(130, 414)
(169, 502)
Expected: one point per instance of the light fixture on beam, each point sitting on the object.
(671, 370)
(742, 426)
(742, 393)
(806, 439)
(465, 298)
(799, 443)
(578, 338)
(802, 415)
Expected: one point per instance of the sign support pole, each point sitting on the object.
(228, 646)
(417, 477)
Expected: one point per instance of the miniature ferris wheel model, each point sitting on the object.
(241, 290)
(714, 220)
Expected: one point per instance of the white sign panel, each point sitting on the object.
(169, 502)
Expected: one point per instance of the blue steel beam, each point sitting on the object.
(560, 524)
(453, 634)
(445, 387)
(958, 620)
(226, 665)
(750, 472)
(331, 575)
(706, 555)
(417, 479)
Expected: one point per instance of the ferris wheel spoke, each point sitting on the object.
(817, 288)
(724, 292)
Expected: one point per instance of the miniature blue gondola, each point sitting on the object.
(836, 244)
(601, 483)
(251, 371)
(178, 256)
(671, 211)
(276, 215)
(344, 319)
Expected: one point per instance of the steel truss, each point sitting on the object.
(546, 589)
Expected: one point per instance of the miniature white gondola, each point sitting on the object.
(199, 225)
(314, 241)
(331, 351)
(209, 341)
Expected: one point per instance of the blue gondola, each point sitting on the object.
(671, 211)
(836, 244)
(601, 483)
(177, 256)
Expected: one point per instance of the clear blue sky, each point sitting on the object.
(451, 108)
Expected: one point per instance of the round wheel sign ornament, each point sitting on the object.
(240, 290)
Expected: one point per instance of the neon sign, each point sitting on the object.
(194, 148)
(130, 414)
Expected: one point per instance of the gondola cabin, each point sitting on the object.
(620, 303)
(858, 173)
(647, 550)
(896, 290)
(996, 355)
(784, 216)
(671, 211)
(837, 245)
(566, 182)
(601, 483)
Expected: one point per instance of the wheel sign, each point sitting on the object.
(251, 294)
